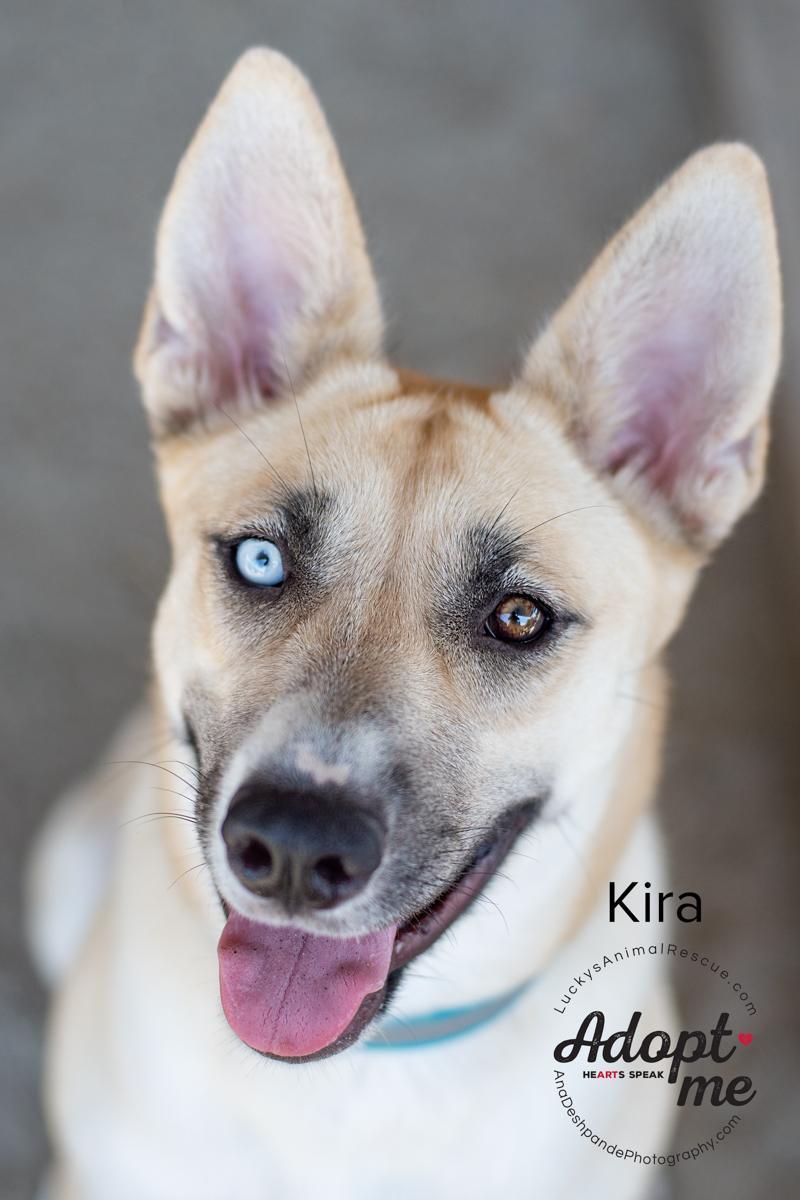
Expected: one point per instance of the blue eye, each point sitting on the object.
(260, 562)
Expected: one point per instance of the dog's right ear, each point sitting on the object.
(262, 277)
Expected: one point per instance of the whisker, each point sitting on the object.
(400, 1021)
(141, 762)
(481, 899)
(568, 512)
(300, 422)
(410, 974)
(503, 510)
(172, 792)
(520, 854)
(181, 763)
(148, 753)
(579, 857)
(257, 449)
(183, 874)
(157, 816)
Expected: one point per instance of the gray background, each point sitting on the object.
(493, 147)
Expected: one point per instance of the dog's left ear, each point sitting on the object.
(262, 276)
(664, 358)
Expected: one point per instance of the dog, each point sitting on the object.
(395, 665)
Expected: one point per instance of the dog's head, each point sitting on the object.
(405, 621)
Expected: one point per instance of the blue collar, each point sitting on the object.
(408, 1033)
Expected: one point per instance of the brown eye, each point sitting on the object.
(517, 619)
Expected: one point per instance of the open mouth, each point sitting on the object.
(297, 996)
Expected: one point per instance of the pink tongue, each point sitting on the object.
(291, 993)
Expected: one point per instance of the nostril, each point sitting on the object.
(256, 859)
(332, 870)
(254, 862)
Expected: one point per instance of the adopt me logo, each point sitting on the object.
(656, 1048)
(625, 1051)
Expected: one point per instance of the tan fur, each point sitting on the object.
(256, 397)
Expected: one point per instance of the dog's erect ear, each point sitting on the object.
(262, 276)
(664, 357)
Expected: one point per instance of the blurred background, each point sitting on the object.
(493, 148)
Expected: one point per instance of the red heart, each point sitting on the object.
(745, 1038)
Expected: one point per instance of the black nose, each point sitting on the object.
(307, 850)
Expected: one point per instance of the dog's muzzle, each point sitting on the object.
(306, 850)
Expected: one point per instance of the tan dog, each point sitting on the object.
(397, 649)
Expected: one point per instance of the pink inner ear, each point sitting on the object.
(665, 402)
(239, 297)
(262, 294)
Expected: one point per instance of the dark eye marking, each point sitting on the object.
(493, 593)
(283, 545)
